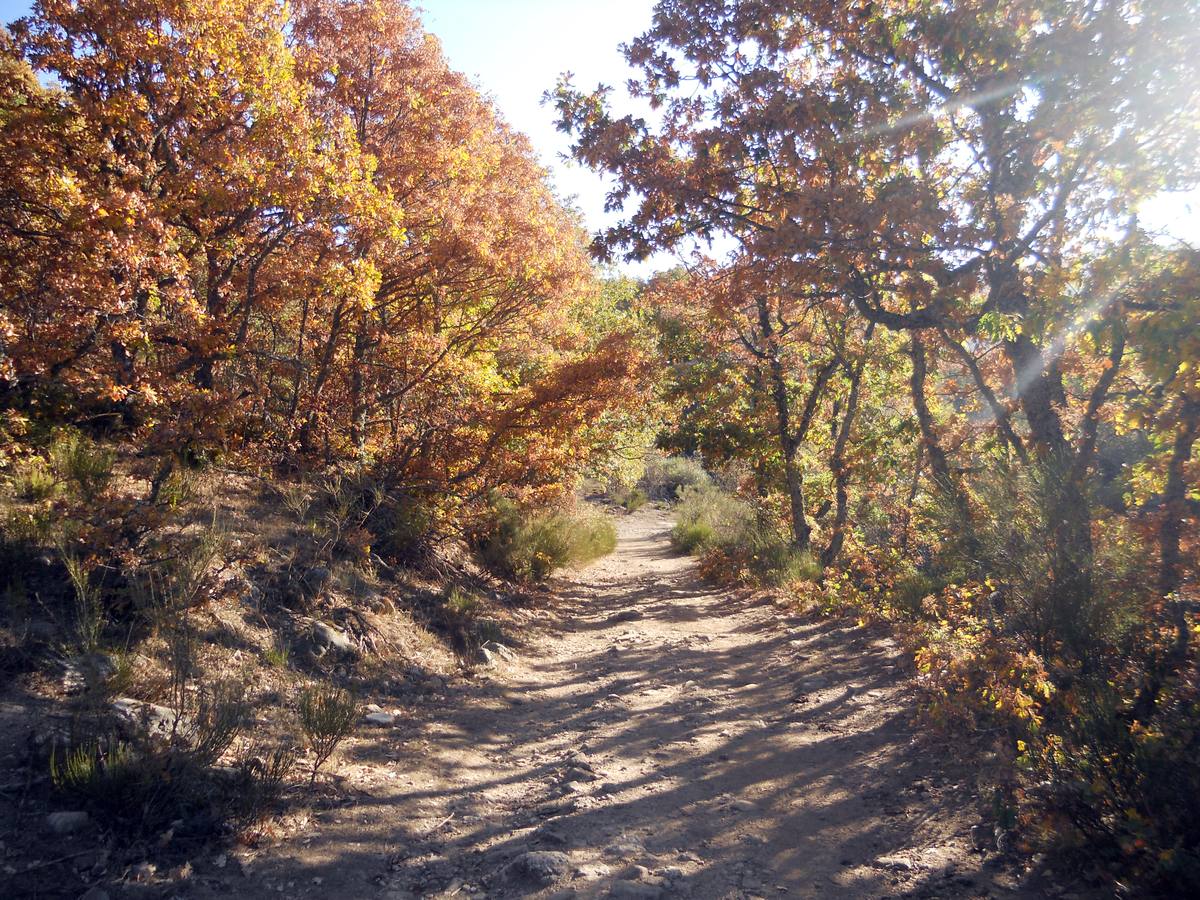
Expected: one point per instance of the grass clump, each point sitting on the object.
(33, 481)
(82, 463)
(706, 517)
(529, 545)
(279, 654)
(89, 618)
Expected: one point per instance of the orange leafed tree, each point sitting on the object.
(291, 235)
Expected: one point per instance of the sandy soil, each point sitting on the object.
(664, 738)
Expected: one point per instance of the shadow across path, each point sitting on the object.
(671, 739)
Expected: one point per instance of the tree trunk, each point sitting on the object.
(939, 464)
(1067, 512)
(1175, 500)
(837, 462)
(358, 398)
(790, 434)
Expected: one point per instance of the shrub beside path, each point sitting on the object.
(665, 738)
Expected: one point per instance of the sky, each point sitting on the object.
(515, 50)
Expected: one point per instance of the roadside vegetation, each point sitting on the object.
(955, 377)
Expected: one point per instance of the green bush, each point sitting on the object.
(770, 558)
(181, 487)
(667, 478)
(137, 791)
(634, 500)
(529, 545)
(706, 516)
(327, 716)
(262, 776)
(734, 541)
(693, 537)
(279, 654)
(906, 594)
(402, 529)
(90, 618)
(98, 773)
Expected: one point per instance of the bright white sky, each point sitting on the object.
(515, 50)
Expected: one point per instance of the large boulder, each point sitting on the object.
(138, 718)
(326, 640)
(67, 822)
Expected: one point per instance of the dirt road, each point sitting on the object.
(669, 739)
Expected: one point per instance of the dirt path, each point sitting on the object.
(670, 739)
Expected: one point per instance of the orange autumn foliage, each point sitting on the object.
(290, 235)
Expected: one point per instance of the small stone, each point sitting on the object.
(625, 848)
(628, 615)
(86, 861)
(380, 719)
(498, 649)
(895, 863)
(593, 871)
(983, 837)
(579, 773)
(1004, 882)
(543, 866)
(67, 822)
(147, 718)
(551, 836)
(556, 808)
(742, 806)
(41, 631)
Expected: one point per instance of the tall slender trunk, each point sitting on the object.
(793, 477)
(1067, 511)
(837, 461)
(1175, 503)
(1175, 499)
(939, 464)
(323, 371)
(790, 434)
(358, 397)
